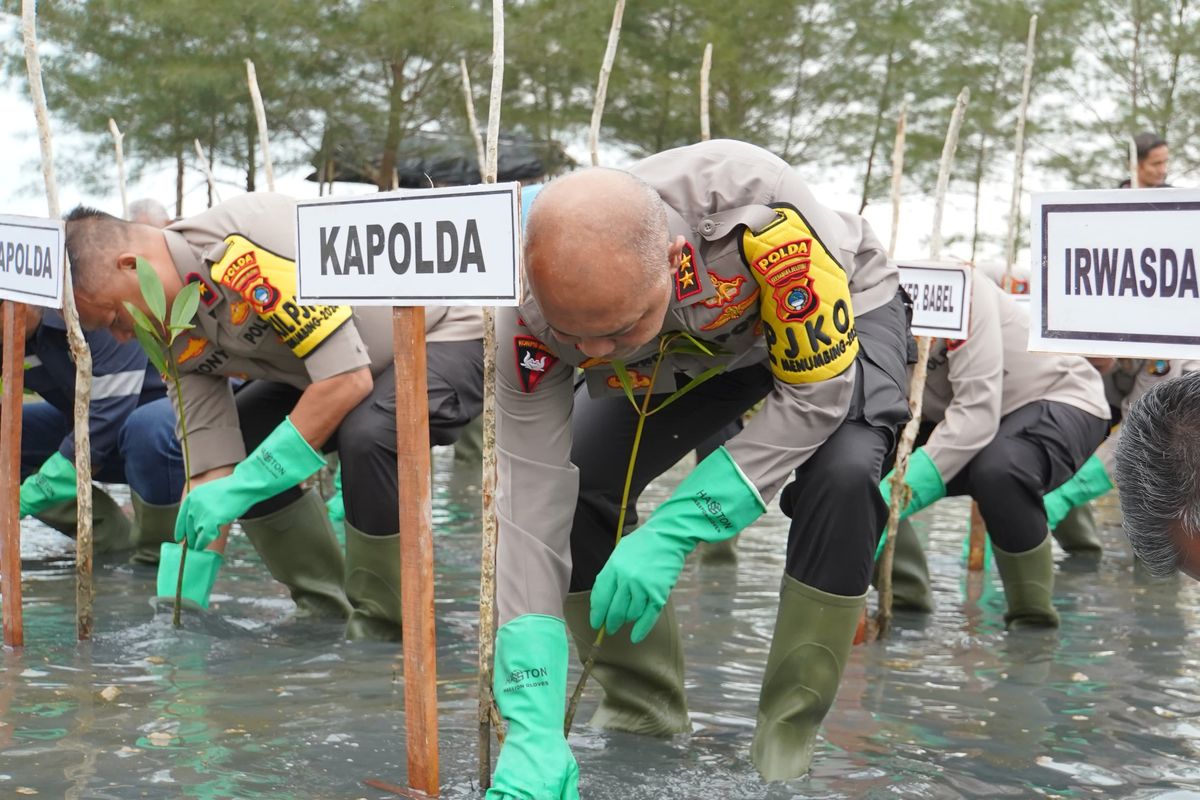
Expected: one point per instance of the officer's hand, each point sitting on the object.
(637, 580)
(202, 513)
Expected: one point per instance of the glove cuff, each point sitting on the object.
(720, 492)
(283, 459)
(926, 482)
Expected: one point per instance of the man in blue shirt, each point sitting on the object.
(132, 439)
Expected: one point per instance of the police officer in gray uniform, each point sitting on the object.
(321, 379)
(1006, 427)
(718, 257)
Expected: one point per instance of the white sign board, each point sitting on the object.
(413, 247)
(1114, 273)
(941, 295)
(31, 260)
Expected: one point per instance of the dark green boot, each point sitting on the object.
(373, 585)
(813, 634)
(1077, 533)
(910, 572)
(1028, 586)
(299, 547)
(111, 529)
(643, 682)
(152, 526)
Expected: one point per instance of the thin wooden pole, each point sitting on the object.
(899, 489)
(208, 173)
(118, 139)
(1133, 164)
(79, 348)
(487, 565)
(472, 123)
(1014, 206)
(897, 175)
(705, 69)
(260, 114)
(10, 474)
(416, 548)
(610, 55)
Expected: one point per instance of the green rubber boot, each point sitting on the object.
(813, 635)
(153, 526)
(1077, 533)
(1028, 586)
(373, 585)
(469, 447)
(910, 572)
(298, 545)
(643, 682)
(111, 529)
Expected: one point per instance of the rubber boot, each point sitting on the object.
(1028, 586)
(468, 449)
(813, 635)
(643, 682)
(1077, 533)
(373, 585)
(910, 572)
(718, 553)
(111, 529)
(153, 526)
(199, 574)
(298, 545)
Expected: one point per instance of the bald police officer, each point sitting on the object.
(1004, 426)
(795, 305)
(321, 378)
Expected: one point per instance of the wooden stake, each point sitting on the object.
(899, 489)
(416, 548)
(1133, 164)
(1014, 206)
(610, 55)
(79, 348)
(487, 564)
(208, 173)
(705, 69)
(897, 175)
(10, 474)
(118, 138)
(260, 114)
(469, 99)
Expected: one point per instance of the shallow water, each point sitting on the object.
(245, 704)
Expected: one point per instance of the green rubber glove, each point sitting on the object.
(335, 505)
(52, 484)
(531, 687)
(280, 462)
(1091, 481)
(925, 482)
(199, 573)
(716, 501)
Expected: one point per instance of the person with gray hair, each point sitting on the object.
(149, 211)
(1158, 474)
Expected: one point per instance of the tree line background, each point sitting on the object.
(816, 81)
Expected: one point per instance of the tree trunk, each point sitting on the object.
(391, 141)
(179, 181)
(884, 96)
(980, 168)
(251, 138)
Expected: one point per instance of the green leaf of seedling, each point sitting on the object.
(622, 374)
(153, 347)
(144, 323)
(184, 307)
(687, 344)
(687, 387)
(152, 289)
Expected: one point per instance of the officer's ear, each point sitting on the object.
(675, 250)
(127, 261)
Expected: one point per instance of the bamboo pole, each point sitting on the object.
(208, 173)
(610, 55)
(705, 69)
(1014, 206)
(899, 489)
(897, 175)
(260, 114)
(488, 715)
(472, 123)
(79, 348)
(118, 139)
(1133, 164)
(10, 474)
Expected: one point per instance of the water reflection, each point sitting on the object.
(247, 704)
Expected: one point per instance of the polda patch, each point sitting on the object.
(533, 360)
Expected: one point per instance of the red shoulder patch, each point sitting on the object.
(686, 282)
(533, 360)
(954, 344)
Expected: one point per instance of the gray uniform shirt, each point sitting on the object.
(974, 382)
(763, 260)
(248, 324)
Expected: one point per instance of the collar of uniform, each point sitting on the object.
(192, 265)
(721, 224)
(690, 283)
